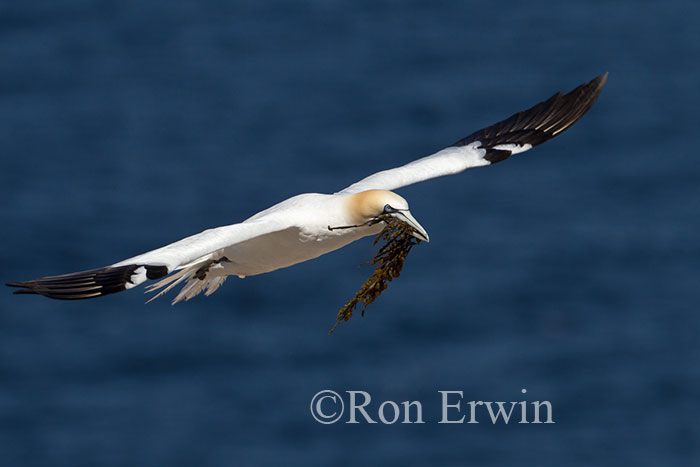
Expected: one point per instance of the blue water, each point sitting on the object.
(570, 271)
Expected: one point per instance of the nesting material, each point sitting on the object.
(389, 260)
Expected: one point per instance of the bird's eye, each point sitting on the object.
(388, 209)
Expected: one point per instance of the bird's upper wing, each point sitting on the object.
(154, 264)
(196, 247)
(495, 143)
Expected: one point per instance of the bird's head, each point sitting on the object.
(370, 205)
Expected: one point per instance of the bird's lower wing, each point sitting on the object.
(154, 264)
(495, 143)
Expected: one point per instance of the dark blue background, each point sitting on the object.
(570, 270)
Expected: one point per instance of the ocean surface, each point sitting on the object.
(570, 271)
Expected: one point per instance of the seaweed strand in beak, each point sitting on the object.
(400, 237)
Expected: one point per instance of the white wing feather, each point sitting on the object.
(197, 248)
(449, 161)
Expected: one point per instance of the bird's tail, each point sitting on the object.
(198, 277)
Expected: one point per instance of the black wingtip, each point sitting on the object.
(24, 288)
(603, 78)
(596, 85)
(86, 284)
(537, 124)
(23, 291)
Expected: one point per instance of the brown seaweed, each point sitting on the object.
(389, 260)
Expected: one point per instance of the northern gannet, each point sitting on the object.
(303, 227)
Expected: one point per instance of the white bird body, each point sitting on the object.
(290, 232)
(307, 226)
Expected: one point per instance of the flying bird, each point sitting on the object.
(309, 225)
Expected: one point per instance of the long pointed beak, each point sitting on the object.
(419, 231)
